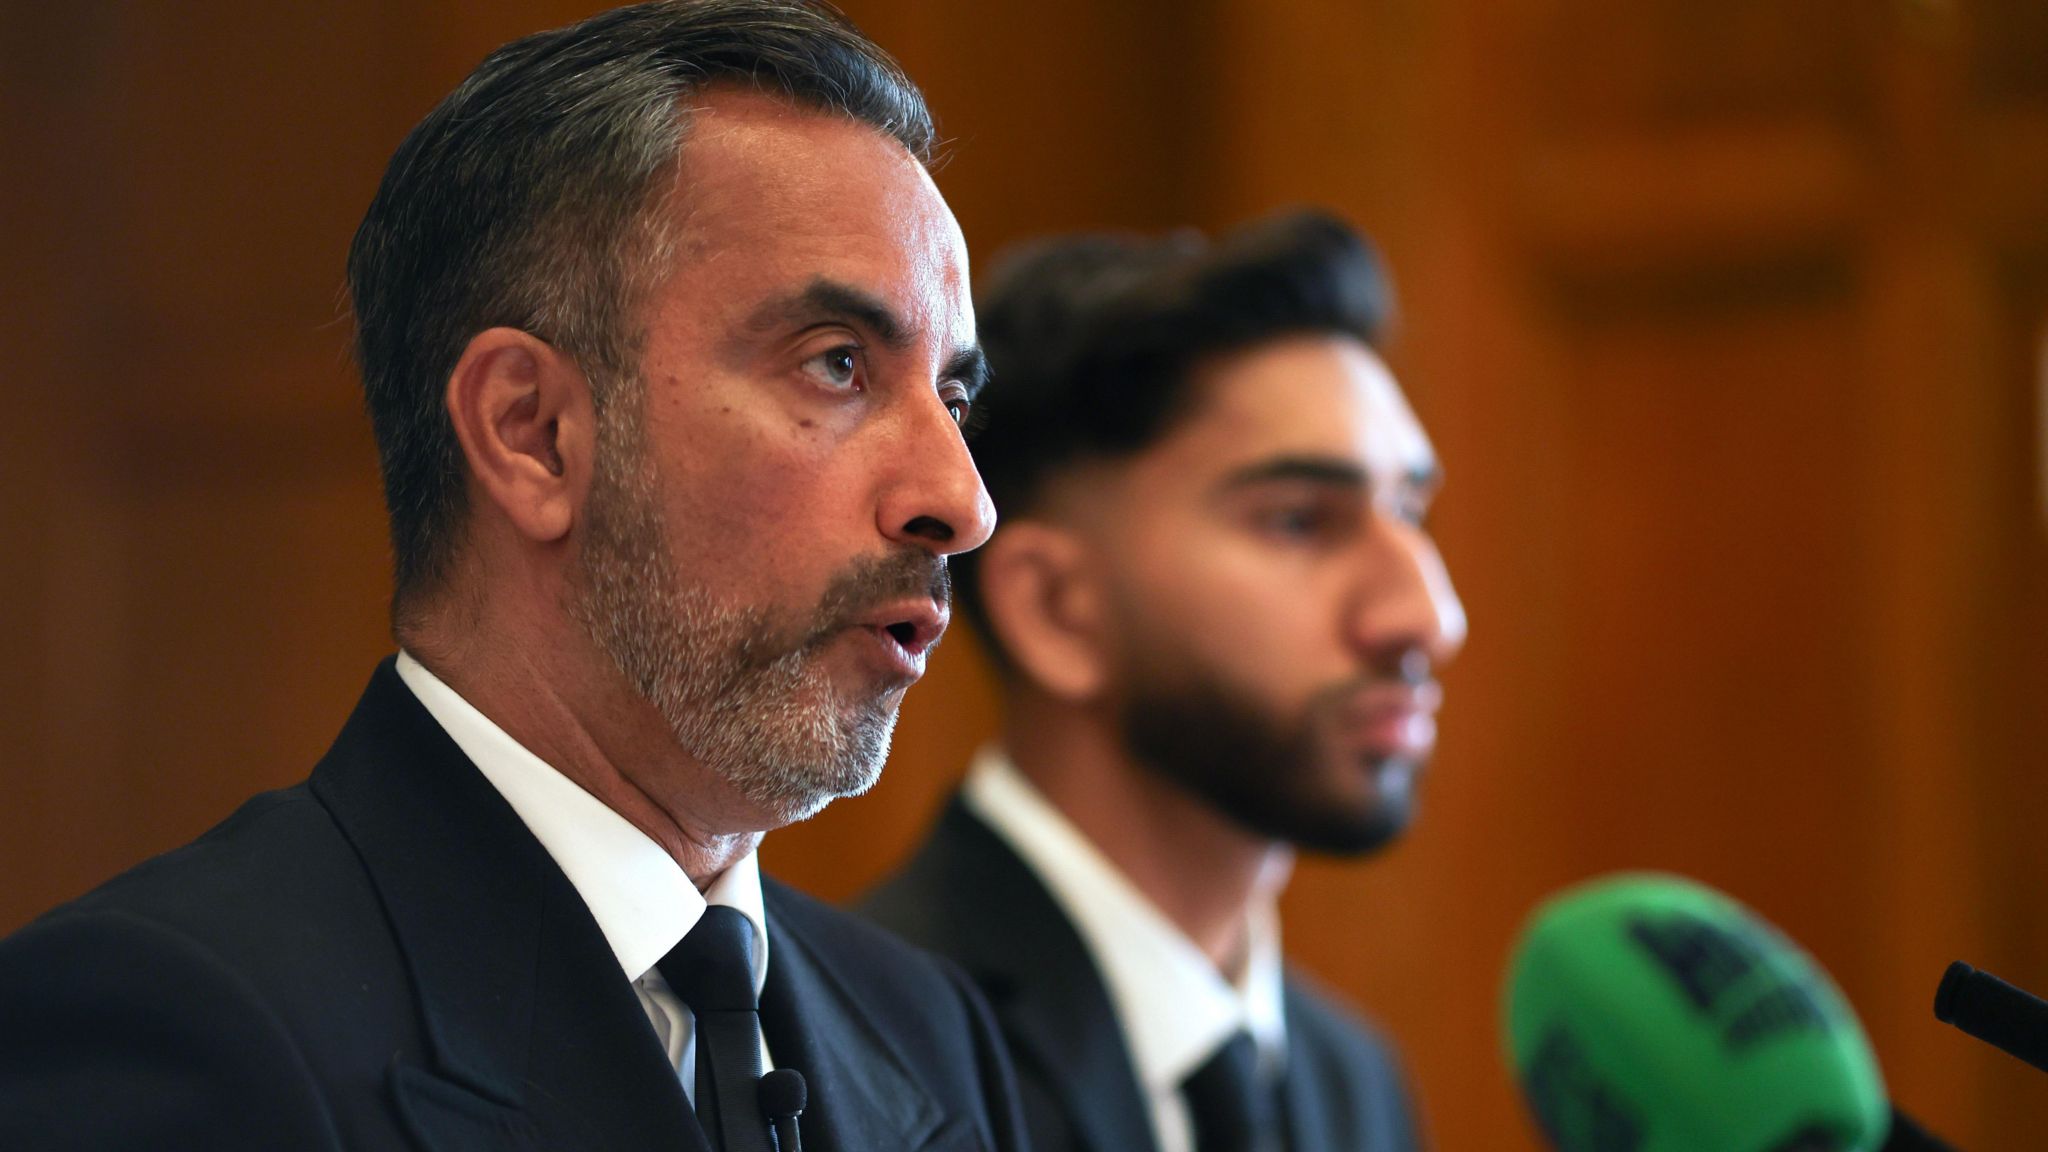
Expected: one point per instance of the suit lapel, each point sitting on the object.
(1010, 935)
(1310, 1123)
(536, 1038)
(861, 1094)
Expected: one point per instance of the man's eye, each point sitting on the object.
(1298, 523)
(1412, 508)
(958, 404)
(836, 368)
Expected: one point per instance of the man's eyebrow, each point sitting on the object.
(823, 299)
(970, 367)
(1327, 470)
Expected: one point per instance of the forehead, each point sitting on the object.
(772, 194)
(1324, 397)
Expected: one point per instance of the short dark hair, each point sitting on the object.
(1093, 341)
(532, 197)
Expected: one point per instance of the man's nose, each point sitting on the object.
(1406, 603)
(933, 497)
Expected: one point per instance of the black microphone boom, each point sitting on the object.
(1907, 1136)
(1995, 1012)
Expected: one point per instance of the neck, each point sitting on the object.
(569, 705)
(1204, 872)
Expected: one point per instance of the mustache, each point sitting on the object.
(1410, 672)
(868, 583)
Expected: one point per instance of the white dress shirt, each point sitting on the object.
(1176, 1008)
(640, 897)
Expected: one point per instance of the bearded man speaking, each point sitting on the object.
(666, 338)
(1217, 616)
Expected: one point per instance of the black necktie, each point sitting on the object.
(712, 971)
(1232, 1111)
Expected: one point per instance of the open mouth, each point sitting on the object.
(910, 628)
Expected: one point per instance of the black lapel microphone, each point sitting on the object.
(783, 1095)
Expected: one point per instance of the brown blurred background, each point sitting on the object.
(1727, 316)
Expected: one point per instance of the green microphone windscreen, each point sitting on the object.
(1649, 1013)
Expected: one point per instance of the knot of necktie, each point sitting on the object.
(712, 971)
(712, 968)
(1233, 1110)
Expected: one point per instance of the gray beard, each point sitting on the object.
(743, 696)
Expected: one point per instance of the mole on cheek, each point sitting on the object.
(807, 423)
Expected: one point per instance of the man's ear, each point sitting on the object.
(1045, 602)
(523, 413)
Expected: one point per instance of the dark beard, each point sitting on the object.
(1263, 775)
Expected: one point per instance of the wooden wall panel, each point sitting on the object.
(2006, 44)
(1726, 319)
(1062, 114)
(205, 609)
(1600, 66)
(35, 319)
(2010, 795)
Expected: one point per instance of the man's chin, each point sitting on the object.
(1365, 817)
(782, 802)
(796, 810)
(794, 787)
(1362, 835)
(1349, 824)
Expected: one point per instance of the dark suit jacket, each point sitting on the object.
(967, 896)
(384, 957)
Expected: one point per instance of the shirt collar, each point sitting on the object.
(640, 897)
(1176, 1008)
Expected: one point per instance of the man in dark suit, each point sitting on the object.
(665, 336)
(1216, 617)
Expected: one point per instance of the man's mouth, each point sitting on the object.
(1393, 718)
(899, 605)
(907, 631)
(912, 624)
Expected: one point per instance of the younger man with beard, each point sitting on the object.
(1216, 617)
(666, 336)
